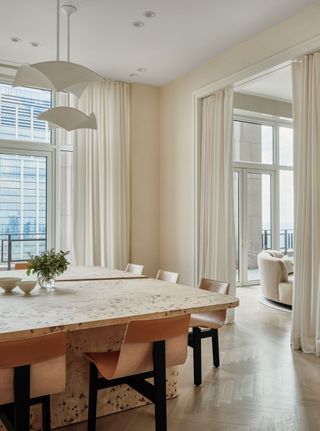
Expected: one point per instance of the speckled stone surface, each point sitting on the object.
(92, 304)
(78, 273)
(95, 313)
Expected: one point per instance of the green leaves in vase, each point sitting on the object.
(49, 264)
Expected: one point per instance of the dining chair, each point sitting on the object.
(148, 347)
(134, 268)
(206, 325)
(170, 277)
(31, 369)
(21, 265)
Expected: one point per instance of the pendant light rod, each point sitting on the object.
(68, 10)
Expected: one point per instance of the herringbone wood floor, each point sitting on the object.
(261, 385)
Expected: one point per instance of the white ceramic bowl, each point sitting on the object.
(27, 286)
(9, 283)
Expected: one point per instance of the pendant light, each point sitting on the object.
(68, 118)
(61, 76)
(56, 76)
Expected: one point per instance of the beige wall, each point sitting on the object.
(145, 177)
(176, 133)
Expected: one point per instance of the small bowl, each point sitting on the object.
(27, 286)
(9, 283)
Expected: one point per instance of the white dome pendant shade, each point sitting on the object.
(57, 76)
(68, 118)
(60, 76)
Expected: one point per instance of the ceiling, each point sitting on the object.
(183, 35)
(276, 85)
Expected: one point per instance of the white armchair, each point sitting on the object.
(275, 278)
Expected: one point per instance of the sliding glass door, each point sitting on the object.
(253, 220)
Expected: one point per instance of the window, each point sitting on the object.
(26, 166)
(23, 206)
(263, 163)
(19, 108)
(252, 142)
(285, 146)
(286, 210)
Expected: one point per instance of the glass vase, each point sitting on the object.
(47, 283)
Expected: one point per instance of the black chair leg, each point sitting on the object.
(92, 407)
(197, 373)
(22, 398)
(159, 363)
(46, 414)
(215, 348)
(7, 416)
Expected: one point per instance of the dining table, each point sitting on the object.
(94, 305)
(78, 272)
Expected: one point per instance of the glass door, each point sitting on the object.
(253, 220)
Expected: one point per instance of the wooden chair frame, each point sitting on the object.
(156, 392)
(16, 416)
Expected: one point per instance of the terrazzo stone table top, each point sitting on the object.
(75, 273)
(80, 305)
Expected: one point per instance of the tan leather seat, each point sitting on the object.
(30, 368)
(148, 347)
(170, 277)
(211, 321)
(134, 268)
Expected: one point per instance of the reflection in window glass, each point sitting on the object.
(286, 146)
(252, 142)
(286, 210)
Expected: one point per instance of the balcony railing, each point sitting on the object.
(18, 247)
(286, 240)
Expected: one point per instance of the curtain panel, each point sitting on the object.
(101, 178)
(306, 118)
(216, 215)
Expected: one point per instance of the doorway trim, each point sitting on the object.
(271, 63)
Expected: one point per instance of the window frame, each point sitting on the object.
(51, 150)
(274, 169)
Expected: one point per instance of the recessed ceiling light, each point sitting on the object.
(149, 14)
(141, 69)
(35, 44)
(132, 75)
(138, 24)
(15, 39)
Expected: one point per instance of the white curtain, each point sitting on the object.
(217, 230)
(306, 116)
(101, 198)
